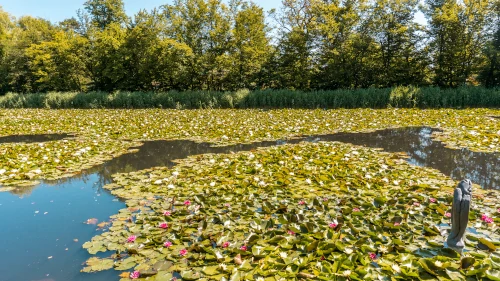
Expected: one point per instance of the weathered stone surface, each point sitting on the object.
(460, 214)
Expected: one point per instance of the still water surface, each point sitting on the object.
(43, 227)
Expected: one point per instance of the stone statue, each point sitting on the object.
(460, 215)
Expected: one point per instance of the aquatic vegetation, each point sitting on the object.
(103, 134)
(325, 211)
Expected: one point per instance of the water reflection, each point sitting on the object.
(33, 138)
(30, 238)
(481, 168)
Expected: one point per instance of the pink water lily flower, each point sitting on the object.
(483, 217)
(183, 252)
(163, 225)
(167, 244)
(187, 203)
(498, 210)
(227, 205)
(225, 244)
(332, 225)
(302, 202)
(167, 213)
(416, 204)
(433, 200)
(397, 223)
(131, 238)
(448, 215)
(488, 220)
(373, 256)
(135, 275)
(290, 232)
(243, 248)
(355, 210)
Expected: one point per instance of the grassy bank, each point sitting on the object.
(401, 97)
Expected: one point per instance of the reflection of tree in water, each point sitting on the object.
(481, 168)
(33, 138)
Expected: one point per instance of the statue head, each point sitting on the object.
(465, 186)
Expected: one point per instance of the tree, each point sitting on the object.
(251, 47)
(401, 60)
(458, 37)
(490, 74)
(296, 27)
(57, 65)
(16, 64)
(105, 12)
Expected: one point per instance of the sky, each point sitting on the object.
(58, 10)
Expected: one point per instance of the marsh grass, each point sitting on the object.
(398, 97)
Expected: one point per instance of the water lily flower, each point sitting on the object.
(131, 239)
(167, 213)
(167, 244)
(302, 202)
(183, 252)
(433, 200)
(225, 244)
(135, 275)
(355, 210)
(498, 210)
(171, 186)
(488, 220)
(290, 232)
(373, 256)
(243, 248)
(227, 205)
(175, 174)
(163, 225)
(448, 215)
(333, 225)
(397, 223)
(416, 204)
(212, 184)
(308, 181)
(187, 203)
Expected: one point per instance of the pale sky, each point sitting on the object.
(58, 10)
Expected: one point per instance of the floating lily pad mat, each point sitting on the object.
(103, 134)
(320, 211)
(33, 138)
(482, 168)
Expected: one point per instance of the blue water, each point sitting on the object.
(28, 239)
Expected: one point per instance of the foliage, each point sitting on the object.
(308, 211)
(101, 134)
(227, 46)
(399, 97)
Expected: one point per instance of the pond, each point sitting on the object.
(34, 138)
(43, 234)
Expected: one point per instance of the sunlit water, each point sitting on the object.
(40, 224)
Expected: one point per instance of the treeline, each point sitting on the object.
(211, 45)
(398, 97)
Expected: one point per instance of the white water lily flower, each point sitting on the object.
(171, 186)
(158, 182)
(262, 183)
(308, 181)
(175, 174)
(2, 171)
(37, 171)
(212, 184)
(251, 156)
(24, 159)
(212, 161)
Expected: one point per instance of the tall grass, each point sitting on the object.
(403, 97)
